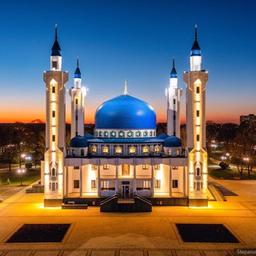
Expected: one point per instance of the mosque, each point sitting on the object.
(125, 165)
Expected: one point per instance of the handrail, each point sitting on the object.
(108, 199)
(143, 199)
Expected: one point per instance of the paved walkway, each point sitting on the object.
(123, 234)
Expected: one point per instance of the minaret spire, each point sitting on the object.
(196, 35)
(77, 71)
(173, 73)
(56, 32)
(125, 87)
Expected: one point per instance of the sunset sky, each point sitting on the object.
(134, 40)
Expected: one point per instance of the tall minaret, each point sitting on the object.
(173, 104)
(55, 80)
(77, 93)
(196, 80)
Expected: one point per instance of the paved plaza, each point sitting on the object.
(155, 233)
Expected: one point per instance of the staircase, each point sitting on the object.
(134, 204)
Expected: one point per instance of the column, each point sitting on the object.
(134, 180)
(152, 179)
(116, 180)
(170, 181)
(81, 181)
(99, 188)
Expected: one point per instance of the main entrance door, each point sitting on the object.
(125, 189)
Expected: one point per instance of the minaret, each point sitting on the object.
(173, 104)
(53, 165)
(196, 80)
(77, 93)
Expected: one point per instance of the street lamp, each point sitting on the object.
(21, 172)
(223, 158)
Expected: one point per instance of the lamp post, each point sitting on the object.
(21, 173)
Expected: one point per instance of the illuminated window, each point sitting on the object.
(76, 184)
(105, 149)
(125, 170)
(158, 184)
(146, 184)
(93, 184)
(132, 150)
(93, 149)
(145, 149)
(105, 166)
(157, 149)
(118, 150)
(157, 167)
(53, 113)
(197, 89)
(53, 89)
(104, 184)
(144, 166)
(175, 184)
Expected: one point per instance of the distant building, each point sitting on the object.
(248, 119)
(124, 158)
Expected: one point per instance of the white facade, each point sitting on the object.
(124, 157)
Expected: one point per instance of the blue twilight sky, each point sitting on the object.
(133, 40)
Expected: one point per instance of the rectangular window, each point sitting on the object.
(105, 150)
(175, 184)
(55, 64)
(144, 166)
(197, 137)
(53, 113)
(146, 184)
(53, 186)
(174, 117)
(125, 170)
(53, 138)
(76, 184)
(104, 184)
(76, 101)
(197, 89)
(197, 113)
(174, 101)
(158, 184)
(53, 172)
(76, 167)
(157, 167)
(105, 167)
(53, 89)
(93, 184)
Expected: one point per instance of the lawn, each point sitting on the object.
(13, 178)
(229, 173)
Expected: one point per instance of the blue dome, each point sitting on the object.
(125, 112)
(172, 141)
(79, 142)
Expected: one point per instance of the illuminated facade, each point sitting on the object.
(125, 158)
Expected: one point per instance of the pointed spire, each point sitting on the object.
(56, 50)
(125, 87)
(77, 71)
(195, 50)
(56, 32)
(173, 73)
(196, 36)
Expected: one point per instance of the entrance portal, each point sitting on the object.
(125, 191)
